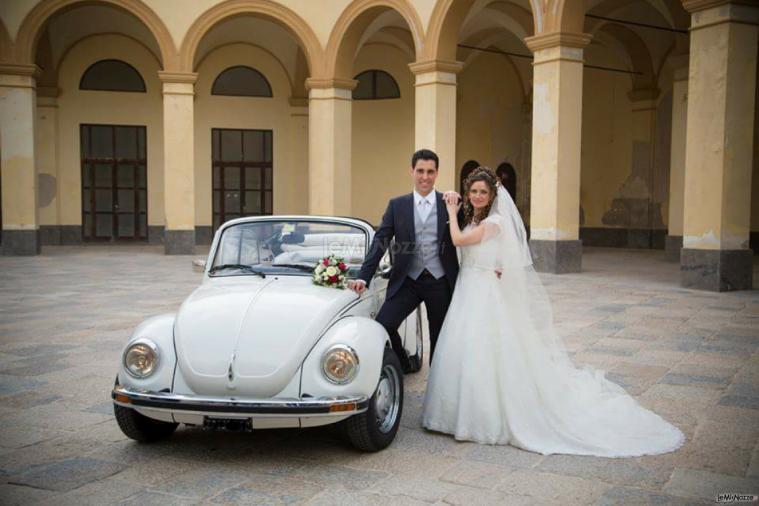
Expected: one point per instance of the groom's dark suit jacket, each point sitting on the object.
(398, 222)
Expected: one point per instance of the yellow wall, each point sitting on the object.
(489, 115)
(490, 119)
(755, 174)
(257, 113)
(382, 136)
(45, 146)
(76, 107)
(606, 141)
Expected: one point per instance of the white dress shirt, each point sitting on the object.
(425, 205)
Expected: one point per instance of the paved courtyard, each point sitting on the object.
(691, 356)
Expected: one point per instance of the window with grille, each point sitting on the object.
(114, 183)
(242, 174)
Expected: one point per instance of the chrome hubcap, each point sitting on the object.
(387, 399)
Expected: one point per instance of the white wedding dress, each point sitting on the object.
(500, 374)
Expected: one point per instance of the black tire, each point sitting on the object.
(140, 427)
(417, 360)
(370, 431)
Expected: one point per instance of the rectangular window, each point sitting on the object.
(114, 183)
(242, 174)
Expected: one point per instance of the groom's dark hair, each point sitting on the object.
(424, 154)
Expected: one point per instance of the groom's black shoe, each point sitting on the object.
(403, 358)
(415, 364)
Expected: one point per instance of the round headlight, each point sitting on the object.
(340, 364)
(141, 358)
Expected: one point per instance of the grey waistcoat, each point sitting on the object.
(427, 247)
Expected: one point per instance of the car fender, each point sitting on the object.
(160, 330)
(366, 337)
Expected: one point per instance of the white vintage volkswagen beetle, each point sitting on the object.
(257, 345)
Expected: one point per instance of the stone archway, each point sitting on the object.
(447, 19)
(345, 38)
(275, 12)
(32, 26)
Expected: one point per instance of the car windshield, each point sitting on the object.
(287, 247)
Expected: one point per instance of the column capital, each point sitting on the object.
(177, 77)
(313, 83)
(707, 13)
(557, 39)
(702, 5)
(424, 67)
(20, 69)
(178, 83)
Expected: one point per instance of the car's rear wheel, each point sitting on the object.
(140, 427)
(375, 428)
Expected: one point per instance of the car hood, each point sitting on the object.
(247, 336)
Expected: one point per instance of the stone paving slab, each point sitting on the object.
(698, 484)
(65, 475)
(691, 356)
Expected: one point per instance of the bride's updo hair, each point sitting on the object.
(487, 176)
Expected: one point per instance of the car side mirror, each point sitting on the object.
(199, 265)
(386, 265)
(385, 271)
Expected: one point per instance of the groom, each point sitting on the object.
(425, 264)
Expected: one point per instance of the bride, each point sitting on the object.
(500, 374)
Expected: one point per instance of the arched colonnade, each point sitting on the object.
(712, 146)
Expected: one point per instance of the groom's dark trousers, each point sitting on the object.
(404, 294)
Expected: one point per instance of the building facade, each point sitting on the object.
(627, 123)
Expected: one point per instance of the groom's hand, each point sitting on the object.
(357, 285)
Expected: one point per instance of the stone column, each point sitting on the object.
(525, 180)
(179, 162)
(556, 129)
(329, 146)
(435, 115)
(719, 145)
(18, 111)
(642, 218)
(677, 165)
(46, 143)
(297, 202)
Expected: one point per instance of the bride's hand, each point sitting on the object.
(451, 193)
(452, 202)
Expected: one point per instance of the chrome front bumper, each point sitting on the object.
(231, 406)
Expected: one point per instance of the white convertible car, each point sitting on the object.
(257, 345)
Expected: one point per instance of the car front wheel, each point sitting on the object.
(140, 427)
(375, 428)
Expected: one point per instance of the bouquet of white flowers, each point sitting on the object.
(330, 272)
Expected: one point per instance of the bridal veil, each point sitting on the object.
(545, 403)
